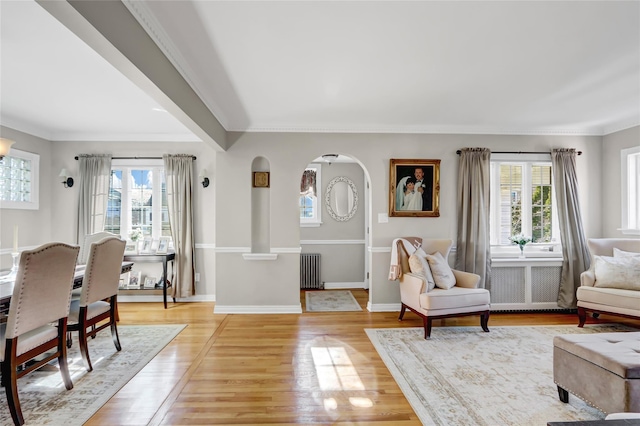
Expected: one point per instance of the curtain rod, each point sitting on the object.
(137, 158)
(518, 152)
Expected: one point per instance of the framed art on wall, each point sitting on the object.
(414, 188)
(261, 179)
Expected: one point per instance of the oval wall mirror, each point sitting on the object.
(341, 198)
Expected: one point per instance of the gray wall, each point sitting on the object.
(223, 210)
(34, 226)
(611, 179)
(342, 260)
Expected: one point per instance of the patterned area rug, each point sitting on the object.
(331, 300)
(45, 400)
(463, 376)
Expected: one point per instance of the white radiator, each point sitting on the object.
(310, 271)
(530, 285)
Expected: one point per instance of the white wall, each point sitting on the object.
(611, 181)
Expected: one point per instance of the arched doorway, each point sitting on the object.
(335, 216)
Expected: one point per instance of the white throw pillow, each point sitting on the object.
(617, 272)
(420, 266)
(621, 253)
(441, 271)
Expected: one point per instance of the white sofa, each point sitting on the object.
(614, 301)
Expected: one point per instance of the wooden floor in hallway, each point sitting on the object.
(263, 369)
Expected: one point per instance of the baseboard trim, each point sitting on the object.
(384, 307)
(252, 309)
(343, 285)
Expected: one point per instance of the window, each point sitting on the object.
(19, 180)
(522, 199)
(310, 184)
(138, 199)
(630, 190)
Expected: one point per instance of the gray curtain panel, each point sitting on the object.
(179, 179)
(95, 172)
(575, 252)
(473, 247)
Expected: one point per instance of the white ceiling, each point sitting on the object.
(487, 67)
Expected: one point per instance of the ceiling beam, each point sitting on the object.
(109, 28)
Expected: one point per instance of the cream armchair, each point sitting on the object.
(613, 301)
(461, 300)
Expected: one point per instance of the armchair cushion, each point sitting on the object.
(456, 299)
(442, 274)
(419, 266)
(617, 272)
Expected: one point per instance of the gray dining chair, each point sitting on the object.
(37, 318)
(99, 296)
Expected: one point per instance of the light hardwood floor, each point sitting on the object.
(261, 369)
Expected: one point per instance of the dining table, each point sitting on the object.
(7, 282)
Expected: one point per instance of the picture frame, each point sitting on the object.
(407, 202)
(135, 279)
(124, 280)
(131, 247)
(261, 179)
(163, 245)
(150, 282)
(146, 245)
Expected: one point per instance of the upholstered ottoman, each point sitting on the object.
(602, 369)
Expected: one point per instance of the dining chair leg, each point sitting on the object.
(114, 335)
(84, 347)
(10, 379)
(113, 317)
(62, 351)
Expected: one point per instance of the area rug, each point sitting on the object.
(45, 400)
(331, 300)
(463, 376)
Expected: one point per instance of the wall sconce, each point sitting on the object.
(5, 146)
(67, 180)
(205, 179)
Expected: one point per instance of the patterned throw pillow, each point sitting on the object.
(441, 271)
(419, 266)
(617, 272)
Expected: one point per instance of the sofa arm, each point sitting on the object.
(588, 278)
(466, 279)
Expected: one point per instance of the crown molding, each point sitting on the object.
(154, 29)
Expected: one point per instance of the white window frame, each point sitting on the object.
(527, 161)
(156, 210)
(630, 194)
(310, 222)
(34, 204)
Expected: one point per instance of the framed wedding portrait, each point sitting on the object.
(414, 188)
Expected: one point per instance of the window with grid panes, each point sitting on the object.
(19, 182)
(522, 201)
(138, 199)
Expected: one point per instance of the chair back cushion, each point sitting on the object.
(42, 290)
(605, 246)
(102, 274)
(83, 257)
